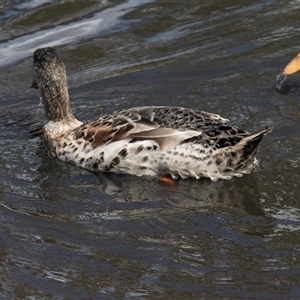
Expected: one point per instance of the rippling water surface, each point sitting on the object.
(69, 234)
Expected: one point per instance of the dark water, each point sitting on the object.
(68, 234)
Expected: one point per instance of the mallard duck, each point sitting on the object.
(148, 140)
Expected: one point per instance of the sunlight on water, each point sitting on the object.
(21, 7)
(13, 50)
(32, 4)
(23, 46)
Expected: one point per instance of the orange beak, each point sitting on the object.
(293, 66)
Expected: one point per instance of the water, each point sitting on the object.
(69, 234)
(280, 79)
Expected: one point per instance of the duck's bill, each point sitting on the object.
(34, 85)
(293, 66)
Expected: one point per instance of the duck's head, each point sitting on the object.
(293, 66)
(49, 75)
(46, 66)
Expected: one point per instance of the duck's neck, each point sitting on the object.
(55, 98)
(58, 112)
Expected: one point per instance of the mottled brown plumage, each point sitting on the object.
(154, 140)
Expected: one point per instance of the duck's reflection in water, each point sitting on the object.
(240, 194)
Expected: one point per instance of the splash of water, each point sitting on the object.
(280, 79)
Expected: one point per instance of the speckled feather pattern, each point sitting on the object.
(153, 141)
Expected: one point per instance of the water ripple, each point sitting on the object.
(20, 47)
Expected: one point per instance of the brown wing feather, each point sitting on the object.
(104, 131)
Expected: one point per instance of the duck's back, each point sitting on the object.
(215, 129)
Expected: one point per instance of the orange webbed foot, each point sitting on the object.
(167, 179)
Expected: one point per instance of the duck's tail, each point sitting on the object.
(241, 157)
(249, 144)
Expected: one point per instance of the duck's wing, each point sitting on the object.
(132, 127)
(177, 117)
(213, 127)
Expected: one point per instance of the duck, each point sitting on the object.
(162, 141)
